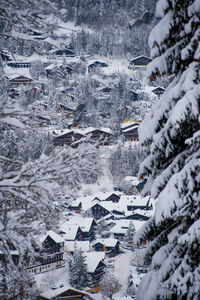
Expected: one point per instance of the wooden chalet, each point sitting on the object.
(76, 206)
(133, 96)
(129, 129)
(13, 253)
(113, 197)
(50, 256)
(70, 232)
(19, 64)
(20, 80)
(106, 90)
(131, 134)
(105, 137)
(158, 91)
(52, 248)
(95, 267)
(109, 245)
(88, 227)
(5, 56)
(52, 69)
(67, 138)
(98, 211)
(140, 62)
(63, 293)
(66, 52)
(144, 204)
(96, 64)
(137, 216)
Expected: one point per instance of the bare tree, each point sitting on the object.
(109, 285)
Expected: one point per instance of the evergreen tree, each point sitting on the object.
(79, 276)
(130, 233)
(171, 138)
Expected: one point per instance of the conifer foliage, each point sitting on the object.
(130, 233)
(171, 138)
(79, 276)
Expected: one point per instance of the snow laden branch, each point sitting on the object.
(170, 136)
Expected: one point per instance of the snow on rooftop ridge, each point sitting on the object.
(70, 231)
(109, 242)
(127, 123)
(140, 56)
(80, 245)
(93, 259)
(57, 238)
(51, 294)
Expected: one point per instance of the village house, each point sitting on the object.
(52, 69)
(158, 91)
(70, 232)
(19, 64)
(129, 129)
(95, 267)
(5, 55)
(66, 52)
(76, 206)
(134, 203)
(66, 137)
(102, 135)
(133, 96)
(20, 80)
(140, 62)
(137, 216)
(98, 211)
(71, 246)
(88, 227)
(113, 197)
(62, 294)
(109, 245)
(51, 254)
(13, 253)
(96, 64)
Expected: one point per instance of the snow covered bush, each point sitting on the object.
(170, 136)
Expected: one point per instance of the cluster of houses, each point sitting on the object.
(96, 225)
(104, 136)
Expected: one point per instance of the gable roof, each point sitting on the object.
(92, 260)
(109, 242)
(82, 245)
(70, 231)
(141, 60)
(54, 236)
(51, 294)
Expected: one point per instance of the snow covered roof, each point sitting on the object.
(70, 231)
(57, 238)
(82, 245)
(51, 294)
(92, 260)
(122, 225)
(86, 224)
(132, 179)
(130, 128)
(140, 57)
(134, 200)
(77, 220)
(128, 123)
(109, 242)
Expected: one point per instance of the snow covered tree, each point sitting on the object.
(130, 233)
(109, 285)
(131, 287)
(170, 135)
(79, 276)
